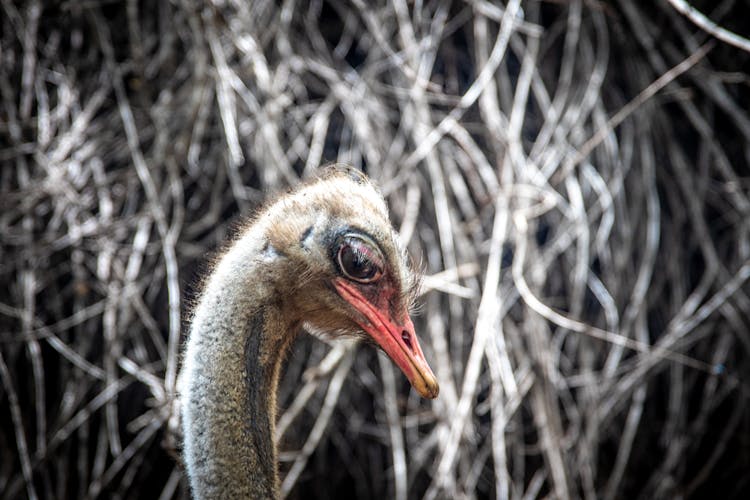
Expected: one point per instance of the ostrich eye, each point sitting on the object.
(359, 260)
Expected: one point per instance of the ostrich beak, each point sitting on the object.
(396, 338)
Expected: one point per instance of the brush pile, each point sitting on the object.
(574, 177)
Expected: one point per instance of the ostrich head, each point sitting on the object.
(339, 264)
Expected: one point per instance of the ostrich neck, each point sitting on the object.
(237, 339)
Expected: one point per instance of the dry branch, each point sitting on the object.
(572, 176)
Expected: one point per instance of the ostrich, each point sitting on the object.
(323, 258)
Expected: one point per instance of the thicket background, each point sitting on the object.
(573, 175)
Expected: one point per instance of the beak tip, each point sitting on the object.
(429, 389)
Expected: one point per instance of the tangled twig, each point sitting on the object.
(572, 175)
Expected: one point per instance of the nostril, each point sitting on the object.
(406, 338)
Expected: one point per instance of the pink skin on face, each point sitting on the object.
(396, 338)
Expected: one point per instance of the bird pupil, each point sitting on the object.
(356, 265)
(358, 260)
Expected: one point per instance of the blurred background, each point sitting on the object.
(573, 177)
